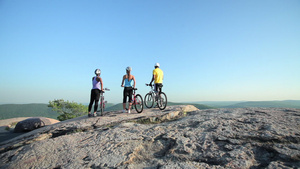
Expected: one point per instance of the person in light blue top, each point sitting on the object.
(128, 79)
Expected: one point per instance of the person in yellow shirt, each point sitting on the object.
(158, 76)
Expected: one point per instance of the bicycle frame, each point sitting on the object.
(137, 101)
(133, 102)
(157, 97)
(152, 91)
(102, 102)
(133, 96)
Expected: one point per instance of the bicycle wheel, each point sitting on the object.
(138, 103)
(149, 100)
(162, 101)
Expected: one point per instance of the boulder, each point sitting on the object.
(33, 123)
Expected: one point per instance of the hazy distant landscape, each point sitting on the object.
(42, 110)
(26, 110)
(245, 104)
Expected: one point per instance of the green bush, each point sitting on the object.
(66, 109)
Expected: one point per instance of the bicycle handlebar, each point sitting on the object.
(106, 89)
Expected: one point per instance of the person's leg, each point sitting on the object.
(97, 96)
(159, 88)
(130, 100)
(91, 102)
(156, 92)
(124, 100)
(129, 107)
(96, 105)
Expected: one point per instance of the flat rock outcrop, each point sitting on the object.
(178, 137)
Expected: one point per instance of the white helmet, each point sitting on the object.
(156, 64)
(97, 71)
(128, 68)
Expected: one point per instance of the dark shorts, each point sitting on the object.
(127, 93)
(158, 87)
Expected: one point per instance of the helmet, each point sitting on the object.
(128, 68)
(97, 71)
(156, 64)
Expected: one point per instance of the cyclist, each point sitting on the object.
(128, 79)
(158, 76)
(95, 92)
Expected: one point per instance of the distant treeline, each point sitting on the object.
(8, 111)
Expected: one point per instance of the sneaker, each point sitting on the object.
(128, 111)
(95, 114)
(89, 115)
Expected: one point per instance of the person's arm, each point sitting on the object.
(101, 84)
(123, 81)
(153, 77)
(133, 81)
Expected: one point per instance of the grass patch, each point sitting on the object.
(7, 128)
(11, 126)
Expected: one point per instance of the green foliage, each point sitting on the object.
(66, 109)
(8, 111)
(7, 128)
(11, 126)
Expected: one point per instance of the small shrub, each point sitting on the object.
(67, 110)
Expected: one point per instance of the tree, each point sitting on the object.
(66, 109)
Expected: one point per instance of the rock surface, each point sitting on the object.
(178, 137)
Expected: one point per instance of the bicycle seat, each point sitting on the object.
(134, 88)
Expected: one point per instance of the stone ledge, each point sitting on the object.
(85, 124)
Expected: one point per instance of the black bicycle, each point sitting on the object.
(137, 102)
(152, 96)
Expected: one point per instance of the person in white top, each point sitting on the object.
(95, 92)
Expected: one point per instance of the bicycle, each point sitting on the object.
(102, 103)
(151, 96)
(137, 102)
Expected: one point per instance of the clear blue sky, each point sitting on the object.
(222, 50)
